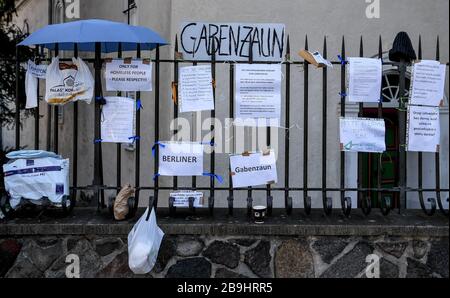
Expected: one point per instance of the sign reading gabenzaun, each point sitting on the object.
(232, 41)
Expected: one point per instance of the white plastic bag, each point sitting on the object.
(34, 72)
(68, 85)
(31, 176)
(31, 83)
(144, 241)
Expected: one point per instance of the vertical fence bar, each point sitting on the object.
(325, 199)
(287, 198)
(56, 116)
(17, 101)
(175, 104)
(249, 189)
(36, 110)
(194, 137)
(343, 96)
(75, 140)
(306, 198)
(212, 129)
(49, 119)
(361, 195)
(385, 206)
(119, 145)
(402, 136)
(137, 173)
(437, 155)
(233, 147)
(97, 118)
(157, 82)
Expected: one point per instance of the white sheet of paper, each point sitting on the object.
(428, 83)
(38, 71)
(362, 135)
(258, 94)
(182, 198)
(424, 132)
(136, 76)
(195, 89)
(117, 120)
(364, 79)
(255, 169)
(181, 159)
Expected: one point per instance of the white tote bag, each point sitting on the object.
(68, 85)
(144, 241)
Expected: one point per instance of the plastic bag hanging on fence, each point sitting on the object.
(34, 72)
(121, 203)
(144, 241)
(68, 85)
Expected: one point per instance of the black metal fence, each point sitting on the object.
(364, 201)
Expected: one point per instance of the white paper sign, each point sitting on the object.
(364, 79)
(180, 159)
(232, 41)
(182, 198)
(423, 133)
(258, 95)
(38, 71)
(117, 120)
(362, 135)
(134, 76)
(428, 81)
(254, 169)
(196, 90)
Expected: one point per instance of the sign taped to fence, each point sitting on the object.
(182, 198)
(180, 159)
(196, 89)
(232, 41)
(364, 79)
(428, 83)
(423, 132)
(37, 71)
(362, 135)
(117, 120)
(258, 95)
(252, 169)
(128, 75)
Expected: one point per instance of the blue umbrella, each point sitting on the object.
(88, 32)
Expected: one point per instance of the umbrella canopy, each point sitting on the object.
(87, 32)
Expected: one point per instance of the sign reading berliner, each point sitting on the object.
(180, 159)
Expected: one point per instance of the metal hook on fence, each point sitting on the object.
(346, 204)
(307, 204)
(441, 206)
(432, 201)
(288, 205)
(385, 205)
(366, 204)
(327, 205)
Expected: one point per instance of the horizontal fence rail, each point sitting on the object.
(365, 200)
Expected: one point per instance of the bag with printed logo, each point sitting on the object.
(69, 84)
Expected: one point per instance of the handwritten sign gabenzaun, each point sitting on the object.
(232, 41)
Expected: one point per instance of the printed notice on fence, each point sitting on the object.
(117, 120)
(196, 89)
(182, 198)
(423, 129)
(180, 159)
(131, 75)
(428, 81)
(258, 95)
(362, 135)
(364, 79)
(232, 41)
(253, 169)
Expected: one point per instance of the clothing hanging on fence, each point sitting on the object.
(68, 85)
